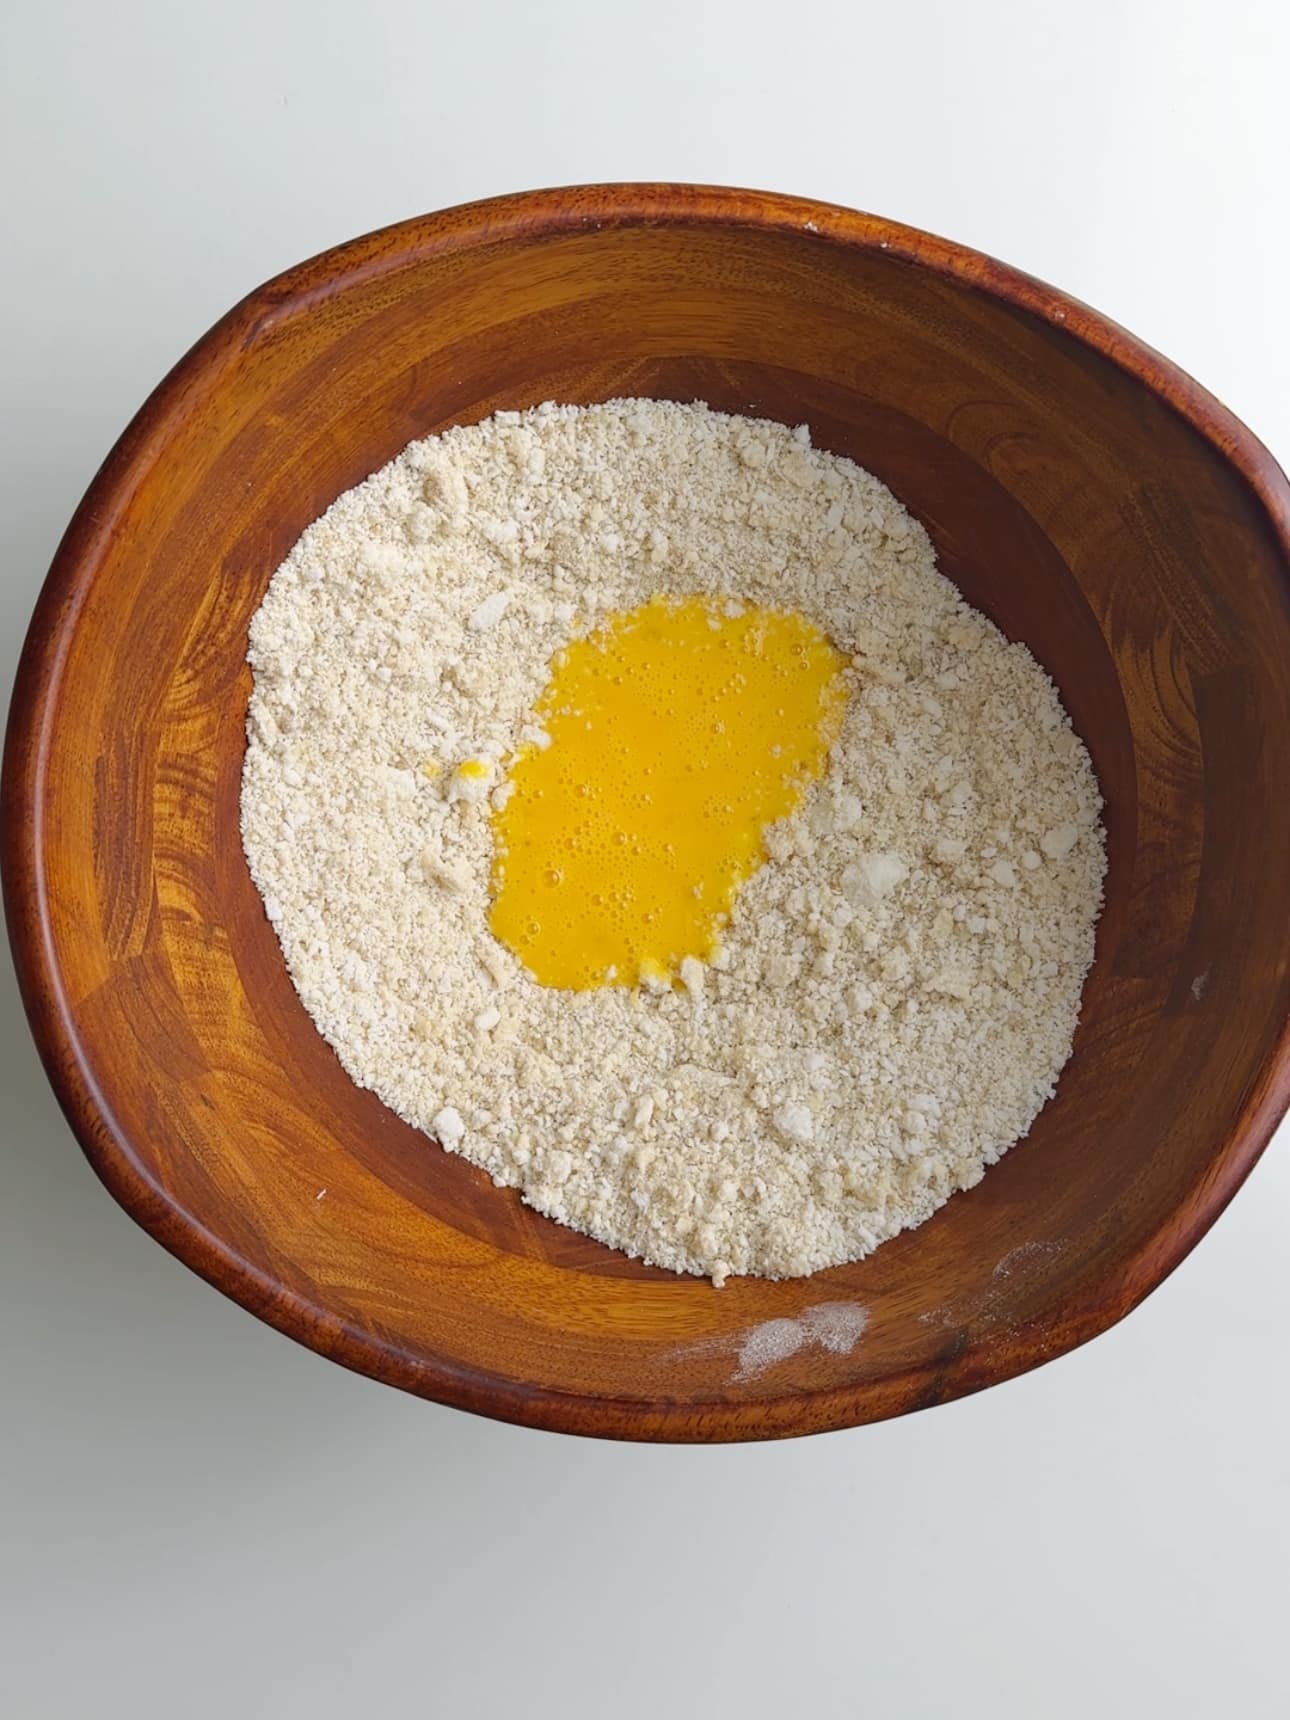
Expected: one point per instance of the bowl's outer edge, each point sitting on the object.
(29, 740)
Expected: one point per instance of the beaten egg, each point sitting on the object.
(674, 733)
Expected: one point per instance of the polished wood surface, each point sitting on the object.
(1093, 500)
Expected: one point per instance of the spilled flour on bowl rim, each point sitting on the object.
(834, 1326)
(895, 993)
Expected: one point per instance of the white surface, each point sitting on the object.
(197, 1518)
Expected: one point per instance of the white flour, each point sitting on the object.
(836, 1326)
(899, 984)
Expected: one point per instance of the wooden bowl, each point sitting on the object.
(1090, 498)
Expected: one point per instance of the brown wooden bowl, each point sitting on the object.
(1090, 498)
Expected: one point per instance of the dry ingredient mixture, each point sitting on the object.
(463, 672)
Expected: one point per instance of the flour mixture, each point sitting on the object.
(643, 817)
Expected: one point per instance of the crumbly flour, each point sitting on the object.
(899, 984)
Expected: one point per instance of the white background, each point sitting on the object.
(199, 1519)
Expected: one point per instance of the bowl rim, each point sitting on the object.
(30, 740)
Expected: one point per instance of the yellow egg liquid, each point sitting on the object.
(678, 732)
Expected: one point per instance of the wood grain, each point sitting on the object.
(1093, 500)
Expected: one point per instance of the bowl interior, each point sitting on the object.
(1068, 500)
